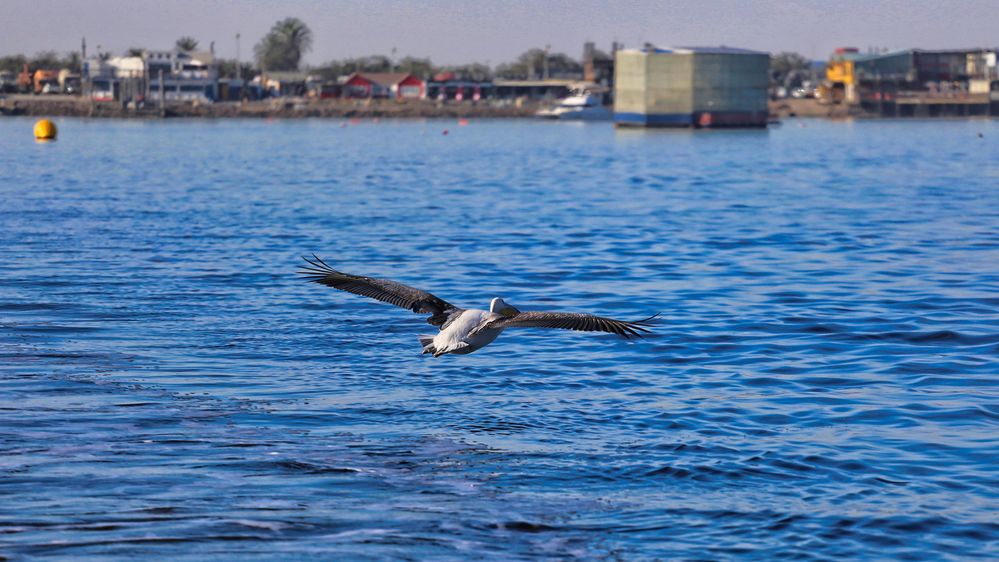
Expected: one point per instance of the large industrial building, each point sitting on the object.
(691, 87)
(916, 82)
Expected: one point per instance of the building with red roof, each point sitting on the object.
(398, 85)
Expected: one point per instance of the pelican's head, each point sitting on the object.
(499, 306)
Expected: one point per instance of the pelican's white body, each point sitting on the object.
(456, 337)
(461, 336)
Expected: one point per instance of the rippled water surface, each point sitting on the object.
(822, 385)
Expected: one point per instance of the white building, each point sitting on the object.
(187, 76)
(115, 79)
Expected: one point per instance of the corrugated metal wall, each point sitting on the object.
(629, 82)
(670, 84)
(674, 88)
(730, 82)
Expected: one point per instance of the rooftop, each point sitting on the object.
(720, 50)
(287, 75)
(383, 78)
(536, 83)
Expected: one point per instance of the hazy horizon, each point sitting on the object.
(451, 32)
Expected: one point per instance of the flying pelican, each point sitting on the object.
(463, 331)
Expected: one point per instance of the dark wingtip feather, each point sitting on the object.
(648, 321)
(639, 327)
(322, 263)
(317, 270)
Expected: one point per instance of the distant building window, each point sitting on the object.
(409, 91)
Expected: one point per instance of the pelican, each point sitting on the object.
(463, 331)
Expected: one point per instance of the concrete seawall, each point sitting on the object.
(55, 106)
(275, 108)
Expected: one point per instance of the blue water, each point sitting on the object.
(822, 385)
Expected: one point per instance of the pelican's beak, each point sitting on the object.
(509, 311)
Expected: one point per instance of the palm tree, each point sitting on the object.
(283, 46)
(187, 43)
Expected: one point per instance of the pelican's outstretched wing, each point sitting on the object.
(384, 290)
(573, 321)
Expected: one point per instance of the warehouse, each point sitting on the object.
(691, 87)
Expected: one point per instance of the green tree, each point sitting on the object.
(283, 46)
(373, 63)
(72, 61)
(13, 63)
(227, 69)
(333, 69)
(475, 71)
(187, 43)
(415, 66)
(786, 62)
(530, 65)
(789, 69)
(48, 60)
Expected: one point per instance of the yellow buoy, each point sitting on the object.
(45, 130)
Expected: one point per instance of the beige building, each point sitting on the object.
(691, 87)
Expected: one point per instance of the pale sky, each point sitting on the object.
(455, 32)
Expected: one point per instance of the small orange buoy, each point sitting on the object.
(45, 130)
(462, 122)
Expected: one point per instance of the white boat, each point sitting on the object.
(583, 106)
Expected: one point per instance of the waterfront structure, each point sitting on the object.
(545, 89)
(284, 83)
(238, 89)
(99, 76)
(691, 87)
(324, 89)
(115, 78)
(447, 86)
(920, 66)
(841, 74)
(8, 82)
(69, 82)
(398, 85)
(187, 75)
(916, 82)
(598, 67)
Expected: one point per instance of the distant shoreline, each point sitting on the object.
(284, 108)
(43, 106)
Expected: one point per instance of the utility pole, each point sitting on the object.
(84, 68)
(544, 63)
(162, 96)
(881, 95)
(239, 73)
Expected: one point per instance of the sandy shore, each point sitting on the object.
(791, 107)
